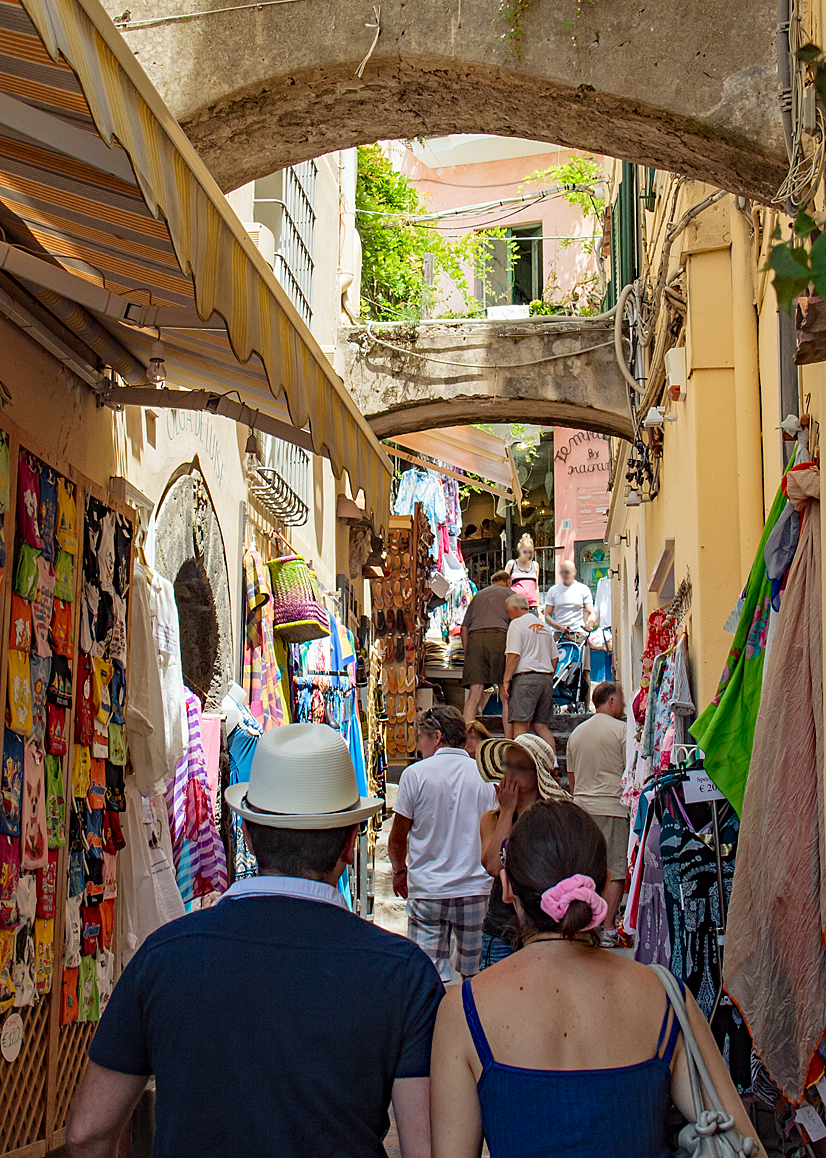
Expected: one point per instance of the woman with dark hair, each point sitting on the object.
(563, 1048)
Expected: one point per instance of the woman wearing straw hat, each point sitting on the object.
(523, 772)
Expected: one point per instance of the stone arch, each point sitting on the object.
(610, 77)
(189, 552)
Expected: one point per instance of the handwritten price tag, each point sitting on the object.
(700, 787)
(11, 1037)
(808, 1117)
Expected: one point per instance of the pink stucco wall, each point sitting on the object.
(450, 187)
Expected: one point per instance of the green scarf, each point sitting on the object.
(725, 730)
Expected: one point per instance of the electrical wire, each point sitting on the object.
(128, 24)
(476, 210)
(483, 369)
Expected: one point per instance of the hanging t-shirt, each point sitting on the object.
(35, 849)
(68, 994)
(107, 921)
(100, 740)
(96, 793)
(85, 712)
(117, 693)
(28, 499)
(42, 606)
(20, 638)
(105, 625)
(94, 838)
(59, 690)
(64, 579)
(72, 933)
(106, 553)
(115, 842)
(26, 573)
(55, 802)
(90, 929)
(40, 670)
(47, 515)
(117, 744)
(101, 675)
(27, 898)
(123, 555)
(117, 643)
(56, 739)
(105, 971)
(11, 784)
(95, 887)
(88, 1007)
(115, 798)
(46, 886)
(19, 715)
(44, 950)
(81, 771)
(7, 941)
(61, 630)
(66, 530)
(9, 876)
(90, 601)
(25, 990)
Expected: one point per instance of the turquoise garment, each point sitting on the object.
(573, 1113)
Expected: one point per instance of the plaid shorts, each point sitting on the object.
(430, 924)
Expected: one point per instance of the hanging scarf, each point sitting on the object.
(725, 730)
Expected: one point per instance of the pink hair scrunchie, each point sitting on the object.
(557, 900)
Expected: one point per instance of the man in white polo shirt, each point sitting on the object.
(440, 804)
(530, 660)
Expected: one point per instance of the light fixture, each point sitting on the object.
(656, 417)
(157, 366)
(633, 498)
(676, 373)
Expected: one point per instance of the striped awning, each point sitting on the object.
(469, 448)
(96, 175)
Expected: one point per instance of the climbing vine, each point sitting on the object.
(513, 13)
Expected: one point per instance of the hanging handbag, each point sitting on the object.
(298, 612)
(713, 1134)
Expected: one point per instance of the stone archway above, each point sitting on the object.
(688, 87)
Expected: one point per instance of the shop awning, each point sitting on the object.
(468, 448)
(98, 181)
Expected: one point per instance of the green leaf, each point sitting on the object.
(790, 262)
(818, 258)
(809, 53)
(820, 84)
(804, 224)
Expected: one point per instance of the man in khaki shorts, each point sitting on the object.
(596, 761)
(484, 629)
(531, 657)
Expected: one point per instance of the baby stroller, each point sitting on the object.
(570, 685)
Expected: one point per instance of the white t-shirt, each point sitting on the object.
(569, 604)
(533, 642)
(446, 798)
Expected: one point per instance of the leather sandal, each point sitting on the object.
(398, 598)
(409, 619)
(401, 738)
(377, 591)
(391, 741)
(391, 621)
(410, 649)
(391, 680)
(399, 650)
(411, 709)
(381, 624)
(411, 741)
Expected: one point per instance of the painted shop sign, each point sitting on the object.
(195, 424)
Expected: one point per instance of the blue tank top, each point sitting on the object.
(573, 1113)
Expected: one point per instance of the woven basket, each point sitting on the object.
(297, 608)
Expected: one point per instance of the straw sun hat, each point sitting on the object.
(491, 756)
(302, 776)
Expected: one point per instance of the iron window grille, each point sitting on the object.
(279, 480)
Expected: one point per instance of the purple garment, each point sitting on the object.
(200, 862)
(653, 943)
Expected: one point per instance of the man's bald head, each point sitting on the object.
(567, 571)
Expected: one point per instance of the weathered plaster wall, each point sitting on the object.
(690, 88)
(401, 390)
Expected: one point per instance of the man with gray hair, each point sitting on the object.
(530, 660)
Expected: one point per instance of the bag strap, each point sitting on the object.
(700, 1076)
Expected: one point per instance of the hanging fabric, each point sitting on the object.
(725, 730)
(775, 965)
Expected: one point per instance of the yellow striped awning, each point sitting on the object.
(468, 448)
(138, 214)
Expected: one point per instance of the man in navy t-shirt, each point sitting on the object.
(276, 1022)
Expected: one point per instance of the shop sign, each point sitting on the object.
(700, 787)
(11, 1037)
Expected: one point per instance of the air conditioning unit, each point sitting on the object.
(263, 239)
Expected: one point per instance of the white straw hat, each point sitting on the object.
(492, 754)
(302, 776)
